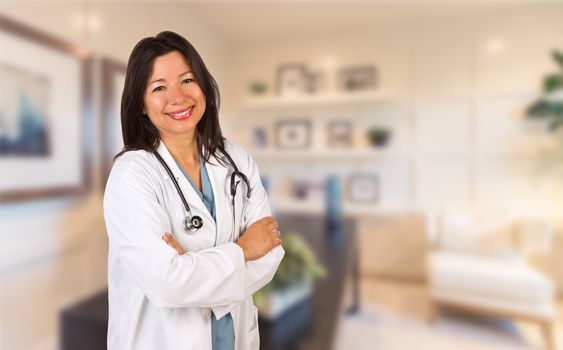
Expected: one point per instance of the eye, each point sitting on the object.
(188, 80)
(158, 88)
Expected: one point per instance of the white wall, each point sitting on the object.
(54, 252)
(465, 80)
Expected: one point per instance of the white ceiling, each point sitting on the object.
(241, 22)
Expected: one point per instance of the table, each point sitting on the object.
(309, 325)
(312, 324)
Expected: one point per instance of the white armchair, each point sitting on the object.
(478, 264)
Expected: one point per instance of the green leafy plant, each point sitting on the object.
(378, 136)
(298, 265)
(549, 107)
(258, 87)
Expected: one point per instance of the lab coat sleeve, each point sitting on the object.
(261, 271)
(135, 223)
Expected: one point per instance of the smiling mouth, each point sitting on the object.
(185, 114)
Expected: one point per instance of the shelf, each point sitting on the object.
(327, 154)
(317, 208)
(318, 100)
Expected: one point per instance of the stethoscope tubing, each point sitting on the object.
(193, 223)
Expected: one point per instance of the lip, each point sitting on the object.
(181, 114)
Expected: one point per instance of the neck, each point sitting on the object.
(183, 149)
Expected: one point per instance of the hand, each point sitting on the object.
(261, 237)
(171, 241)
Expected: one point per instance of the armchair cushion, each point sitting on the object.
(504, 278)
(487, 234)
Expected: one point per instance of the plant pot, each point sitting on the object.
(379, 139)
(277, 302)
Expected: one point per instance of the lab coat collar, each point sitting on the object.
(218, 176)
(192, 197)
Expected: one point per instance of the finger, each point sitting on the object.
(273, 226)
(179, 249)
(169, 239)
(175, 247)
(267, 220)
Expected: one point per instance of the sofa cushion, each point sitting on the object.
(488, 233)
(509, 279)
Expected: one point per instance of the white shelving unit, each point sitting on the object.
(281, 164)
(326, 155)
(349, 209)
(318, 100)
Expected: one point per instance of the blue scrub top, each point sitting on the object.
(222, 330)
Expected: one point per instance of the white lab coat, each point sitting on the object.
(159, 299)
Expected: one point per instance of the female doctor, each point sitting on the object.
(190, 232)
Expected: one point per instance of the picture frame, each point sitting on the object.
(318, 82)
(259, 137)
(357, 78)
(363, 188)
(53, 102)
(340, 134)
(292, 80)
(113, 79)
(293, 134)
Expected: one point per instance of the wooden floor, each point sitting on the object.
(410, 299)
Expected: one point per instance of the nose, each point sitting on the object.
(176, 96)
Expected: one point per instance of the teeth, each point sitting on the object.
(183, 113)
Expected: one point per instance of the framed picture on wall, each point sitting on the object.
(292, 80)
(363, 188)
(293, 134)
(357, 78)
(113, 79)
(45, 114)
(339, 134)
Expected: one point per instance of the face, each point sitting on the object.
(173, 100)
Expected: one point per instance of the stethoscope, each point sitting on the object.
(192, 223)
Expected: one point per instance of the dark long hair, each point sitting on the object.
(138, 131)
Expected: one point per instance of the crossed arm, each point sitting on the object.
(260, 238)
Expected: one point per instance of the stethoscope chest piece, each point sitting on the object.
(193, 223)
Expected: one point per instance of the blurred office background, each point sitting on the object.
(413, 115)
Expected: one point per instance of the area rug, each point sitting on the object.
(375, 328)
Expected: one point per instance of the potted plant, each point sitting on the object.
(378, 136)
(293, 281)
(258, 88)
(549, 106)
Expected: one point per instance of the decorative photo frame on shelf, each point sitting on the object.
(363, 188)
(46, 116)
(318, 82)
(357, 78)
(293, 134)
(292, 80)
(113, 80)
(339, 134)
(259, 137)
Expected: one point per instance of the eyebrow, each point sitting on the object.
(162, 80)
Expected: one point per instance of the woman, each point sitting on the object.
(185, 252)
